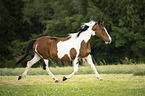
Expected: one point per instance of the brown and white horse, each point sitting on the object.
(72, 48)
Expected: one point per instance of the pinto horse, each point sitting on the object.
(72, 48)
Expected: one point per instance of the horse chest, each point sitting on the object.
(85, 49)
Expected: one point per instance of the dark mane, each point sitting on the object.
(83, 28)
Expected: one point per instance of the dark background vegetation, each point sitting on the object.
(23, 20)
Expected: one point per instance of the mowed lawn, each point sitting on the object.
(78, 85)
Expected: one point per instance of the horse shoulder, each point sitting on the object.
(85, 49)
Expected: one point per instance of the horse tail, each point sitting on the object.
(29, 47)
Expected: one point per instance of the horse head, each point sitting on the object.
(101, 32)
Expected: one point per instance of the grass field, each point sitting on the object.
(79, 85)
(119, 82)
(108, 69)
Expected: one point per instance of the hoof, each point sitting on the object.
(20, 77)
(101, 79)
(56, 81)
(64, 78)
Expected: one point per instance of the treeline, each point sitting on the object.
(23, 20)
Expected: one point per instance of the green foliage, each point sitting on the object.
(36, 11)
(23, 20)
(10, 23)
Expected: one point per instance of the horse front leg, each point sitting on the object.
(89, 60)
(76, 64)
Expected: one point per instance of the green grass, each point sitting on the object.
(119, 80)
(139, 73)
(108, 69)
(78, 85)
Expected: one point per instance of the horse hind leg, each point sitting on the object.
(35, 59)
(49, 72)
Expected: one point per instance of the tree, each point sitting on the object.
(23, 20)
(10, 19)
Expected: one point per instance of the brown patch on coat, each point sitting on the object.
(85, 49)
(73, 53)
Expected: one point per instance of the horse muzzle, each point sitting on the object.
(108, 41)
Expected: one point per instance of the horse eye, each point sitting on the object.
(103, 31)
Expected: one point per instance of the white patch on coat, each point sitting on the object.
(37, 51)
(108, 35)
(64, 47)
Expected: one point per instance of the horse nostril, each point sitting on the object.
(107, 40)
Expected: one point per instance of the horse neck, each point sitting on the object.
(87, 35)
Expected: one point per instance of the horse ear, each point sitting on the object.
(99, 22)
(103, 22)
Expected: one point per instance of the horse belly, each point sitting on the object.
(66, 51)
